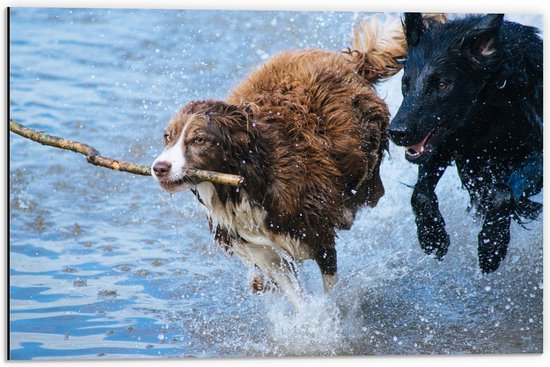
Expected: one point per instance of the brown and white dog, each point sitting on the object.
(307, 132)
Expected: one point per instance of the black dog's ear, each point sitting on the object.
(481, 41)
(414, 26)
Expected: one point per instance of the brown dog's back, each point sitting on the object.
(326, 126)
(307, 132)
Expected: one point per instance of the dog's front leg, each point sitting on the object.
(276, 270)
(326, 260)
(495, 233)
(501, 201)
(430, 224)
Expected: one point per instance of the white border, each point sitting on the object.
(461, 6)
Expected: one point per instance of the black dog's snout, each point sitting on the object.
(398, 134)
(161, 168)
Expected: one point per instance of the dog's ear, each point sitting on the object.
(481, 41)
(434, 19)
(233, 126)
(241, 142)
(414, 27)
(226, 119)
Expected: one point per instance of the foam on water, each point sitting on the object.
(315, 329)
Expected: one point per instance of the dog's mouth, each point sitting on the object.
(419, 151)
(173, 185)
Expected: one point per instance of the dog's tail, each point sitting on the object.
(378, 48)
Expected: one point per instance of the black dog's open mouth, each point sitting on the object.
(418, 151)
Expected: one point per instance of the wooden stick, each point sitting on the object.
(94, 157)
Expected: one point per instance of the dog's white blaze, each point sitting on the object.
(174, 156)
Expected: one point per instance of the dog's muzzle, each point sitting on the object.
(161, 169)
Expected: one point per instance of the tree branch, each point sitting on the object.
(94, 157)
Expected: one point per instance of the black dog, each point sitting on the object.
(472, 92)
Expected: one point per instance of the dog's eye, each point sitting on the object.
(198, 140)
(442, 85)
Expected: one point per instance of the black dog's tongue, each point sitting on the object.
(418, 148)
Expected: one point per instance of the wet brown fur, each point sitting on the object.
(326, 129)
(307, 131)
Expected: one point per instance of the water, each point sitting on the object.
(105, 265)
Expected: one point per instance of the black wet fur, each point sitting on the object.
(472, 87)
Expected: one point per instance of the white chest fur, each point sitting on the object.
(248, 222)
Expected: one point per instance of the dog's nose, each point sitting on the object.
(161, 168)
(398, 133)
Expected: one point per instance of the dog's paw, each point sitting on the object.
(493, 245)
(528, 209)
(257, 284)
(433, 239)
